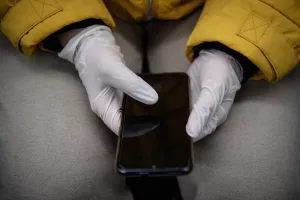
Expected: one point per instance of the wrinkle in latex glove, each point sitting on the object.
(215, 78)
(101, 67)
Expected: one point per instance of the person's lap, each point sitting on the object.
(53, 147)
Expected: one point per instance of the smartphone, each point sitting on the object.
(153, 138)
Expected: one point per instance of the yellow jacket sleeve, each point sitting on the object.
(267, 32)
(28, 22)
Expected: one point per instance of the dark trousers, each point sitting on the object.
(152, 188)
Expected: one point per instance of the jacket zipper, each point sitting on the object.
(150, 10)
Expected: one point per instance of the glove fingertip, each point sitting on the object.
(146, 95)
(194, 135)
(193, 126)
(191, 130)
(152, 98)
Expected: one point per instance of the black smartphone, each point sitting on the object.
(153, 138)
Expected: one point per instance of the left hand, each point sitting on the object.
(215, 78)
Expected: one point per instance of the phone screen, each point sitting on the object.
(153, 138)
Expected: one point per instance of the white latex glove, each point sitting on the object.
(104, 75)
(215, 78)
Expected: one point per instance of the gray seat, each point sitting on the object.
(256, 153)
(52, 147)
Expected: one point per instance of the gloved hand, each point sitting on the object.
(215, 78)
(104, 74)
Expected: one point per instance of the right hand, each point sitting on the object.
(104, 75)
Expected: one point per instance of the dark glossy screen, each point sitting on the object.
(154, 136)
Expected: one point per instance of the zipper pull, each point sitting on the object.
(150, 10)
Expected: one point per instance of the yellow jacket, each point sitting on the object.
(265, 31)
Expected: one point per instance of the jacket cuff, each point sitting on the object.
(250, 33)
(249, 68)
(52, 42)
(29, 22)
